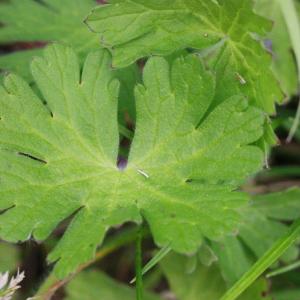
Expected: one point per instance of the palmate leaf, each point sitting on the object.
(183, 168)
(133, 29)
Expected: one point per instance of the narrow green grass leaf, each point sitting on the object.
(264, 262)
(154, 261)
(125, 132)
(284, 269)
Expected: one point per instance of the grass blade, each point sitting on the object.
(284, 269)
(125, 132)
(154, 261)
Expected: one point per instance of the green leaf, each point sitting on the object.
(259, 234)
(283, 205)
(229, 251)
(133, 29)
(271, 256)
(289, 10)
(284, 64)
(18, 62)
(60, 21)
(184, 165)
(259, 230)
(205, 283)
(286, 43)
(96, 285)
(257, 291)
(206, 255)
(288, 294)
(9, 257)
(44, 21)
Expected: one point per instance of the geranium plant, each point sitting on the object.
(145, 122)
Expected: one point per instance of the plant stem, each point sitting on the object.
(138, 265)
(264, 262)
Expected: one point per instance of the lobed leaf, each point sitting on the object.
(58, 158)
(133, 29)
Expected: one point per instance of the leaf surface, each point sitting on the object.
(259, 230)
(9, 257)
(284, 205)
(204, 283)
(279, 42)
(42, 22)
(287, 294)
(184, 165)
(133, 29)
